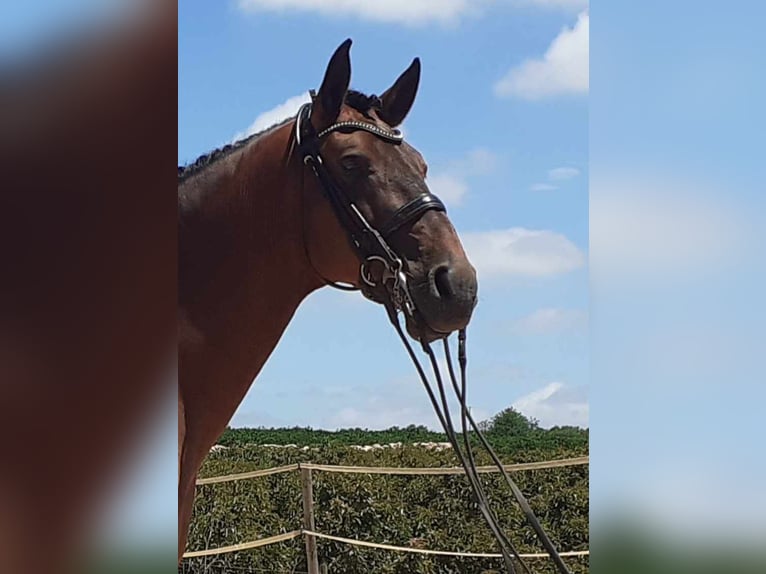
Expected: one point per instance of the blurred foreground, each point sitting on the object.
(87, 296)
(627, 545)
(677, 281)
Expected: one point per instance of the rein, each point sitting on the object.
(393, 292)
(466, 458)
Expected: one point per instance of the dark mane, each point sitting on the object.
(359, 101)
(362, 102)
(203, 161)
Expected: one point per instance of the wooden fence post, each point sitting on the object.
(307, 491)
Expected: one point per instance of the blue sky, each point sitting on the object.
(501, 117)
(677, 267)
(676, 270)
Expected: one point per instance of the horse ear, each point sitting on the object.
(334, 86)
(397, 100)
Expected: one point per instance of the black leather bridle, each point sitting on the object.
(370, 243)
(392, 291)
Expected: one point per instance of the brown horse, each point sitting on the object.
(258, 233)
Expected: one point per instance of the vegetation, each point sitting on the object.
(508, 432)
(435, 512)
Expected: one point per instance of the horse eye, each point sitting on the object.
(352, 163)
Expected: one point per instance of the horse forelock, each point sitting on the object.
(362, 102)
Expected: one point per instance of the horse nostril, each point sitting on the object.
(442, 282)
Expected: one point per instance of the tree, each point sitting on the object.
(510, 422)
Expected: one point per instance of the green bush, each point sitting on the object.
(508, 432)
(436, 512)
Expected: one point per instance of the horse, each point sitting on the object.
(331, 196)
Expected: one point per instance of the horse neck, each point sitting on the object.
(242, 269)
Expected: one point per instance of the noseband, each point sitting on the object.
(370, 243)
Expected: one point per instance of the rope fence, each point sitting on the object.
(354, 542)
(310, 535)
(445, 470)
(248, 475)
(558, 463)
(245, 545)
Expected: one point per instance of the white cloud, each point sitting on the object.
(450, 188)
(658, 226)
(408, 12)
(562, 173)
(551, 320)
(479, 161)
(556, 404)
(521, 252)
(556, 174)
(451, 185)
(563, 4)
(563, 69)
(401, 402)
(276, 114)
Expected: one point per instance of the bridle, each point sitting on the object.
(391, 289)
(370, 244)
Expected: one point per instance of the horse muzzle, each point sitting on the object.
(445, 299)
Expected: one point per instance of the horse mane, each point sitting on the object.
(203, 161)
(361, 102)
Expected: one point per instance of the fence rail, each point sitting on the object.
(556, 463)
(445, 470)
(310, 535)
(248, 475)
(245, 545)
(355, 542)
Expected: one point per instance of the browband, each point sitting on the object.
(392, 136)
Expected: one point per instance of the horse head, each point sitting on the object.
(360, 161)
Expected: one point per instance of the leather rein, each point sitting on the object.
(392, 291)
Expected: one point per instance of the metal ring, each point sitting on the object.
(363, 269)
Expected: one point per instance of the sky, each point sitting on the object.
(676, 267)
(655, 321)
(501, 118)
